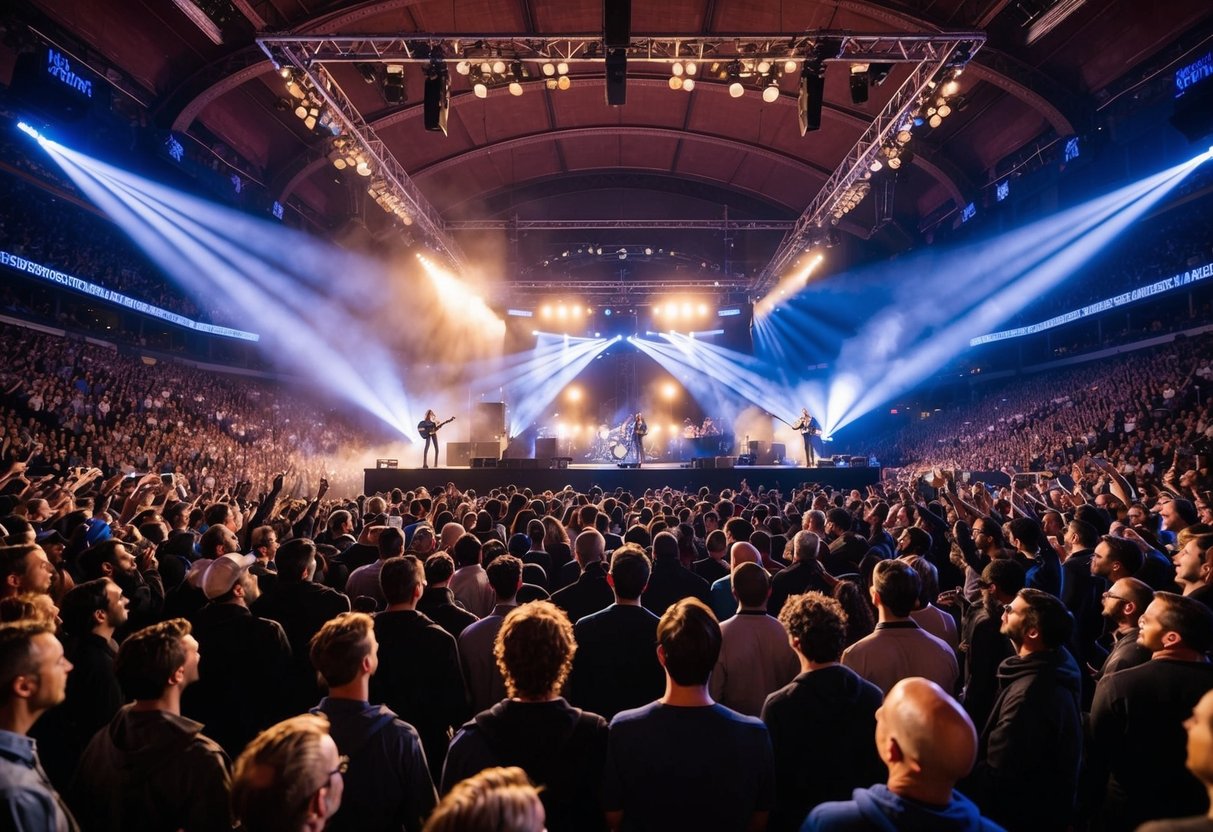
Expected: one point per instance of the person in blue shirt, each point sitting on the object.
(928, 743)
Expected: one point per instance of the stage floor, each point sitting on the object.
(610, 477)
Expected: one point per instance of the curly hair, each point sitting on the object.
(495, 800)
(534, 650)
(818, 623)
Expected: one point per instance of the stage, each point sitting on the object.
(610, 477)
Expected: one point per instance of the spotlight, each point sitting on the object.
(515, 88)
(789, 67)
(669, 390)
(736, 90)
(771, 94)
(935, 120)
(648, 251)
(549, 69)
(545, 311)
(367, 71)
(498, 67)
(688, 84)
(573, 394)
(676, 69)
(691, 68)
(480, 89)
(564, 83)
(463, 67)
(734, 77)
(562, 68)
(703, 309)
(675, 82)
(878, 73)
(393, 85)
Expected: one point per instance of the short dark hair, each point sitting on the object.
(504, 574)
(13, 559)
(1191, 619)
(1124, 552)
(338, 649)
(1088, 535)
(439, 567)
(1027, 533)
(467, 550)
(148, 657)
(534, 649)
(1005, 574)
(840, 518)
(690, 638)
(818, 623)
(1048, 615)
(295, 557)
(391, 542)
(898, 586)
(739, 529)
(399, 578)
(920, 539)
(79, 605)
(665, 545)
(630, 571)
(716, 541)
(751, 584)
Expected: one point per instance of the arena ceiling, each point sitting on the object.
(565, 154)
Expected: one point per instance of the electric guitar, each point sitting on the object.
(427, 432)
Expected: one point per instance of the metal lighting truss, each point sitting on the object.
(385, 167)
(855, 166)
(613, 287)
(887, 47)
(931, 52)
(594, 225)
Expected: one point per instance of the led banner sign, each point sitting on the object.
(63, 69)
(1194, 73)
(14, 261)
(1177, 281)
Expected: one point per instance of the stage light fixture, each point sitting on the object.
(463, 67)
(562, 68)
(545, 311)
(676, 69)
(616, 77)
(736, 90)
(771, 93)
(499, 67)
(437, 101)
(367, 71)
(691, 67)
(688, 84)
(878, 74)
(393, 84)
(564, 83)
(480, 89)
(549, 69)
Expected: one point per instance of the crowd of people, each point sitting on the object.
(948, 656)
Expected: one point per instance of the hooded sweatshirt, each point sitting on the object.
(388, 783)
(152, 770)
(1032, 743)
(560, 747)
(880, 810)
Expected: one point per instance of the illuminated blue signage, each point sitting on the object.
(1177, 281)
(1003, 190)
(968, 213)
(277, 210)
(15, 261)
(1189, 76)
(61, 68)
(175, 149)
(1071, 149)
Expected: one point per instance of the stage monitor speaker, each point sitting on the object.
(387, 463)
(859, 462)
(779, 452)
(551, 448)
(524, 464)
(484, 462)
(488, 422)
(492, 449)
(458, 453)
(726, 461)
(616, 23)
(704, 462)
(761, 452)
(825, 463)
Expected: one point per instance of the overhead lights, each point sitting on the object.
(736, 90)
(770, 94)
(393, 84)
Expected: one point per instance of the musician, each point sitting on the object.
(639, 429)
(808, 428)
(429, 429)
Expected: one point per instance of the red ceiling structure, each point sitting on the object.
(565, 154)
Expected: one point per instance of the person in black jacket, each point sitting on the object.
(387, 783)
(1137, 737)
(616, 667)
(591, 592)
(982, 641)
(419, 676)
(301, 606)
(561, 748)
(1028, 756)
(437, 601)
(245, 659)
(670, 581)
(827, 706)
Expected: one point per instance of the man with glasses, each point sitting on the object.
(1027, 770)
(289, 778)
(1123, 606)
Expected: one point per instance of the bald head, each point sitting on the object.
(924, 736)
(742, 553)
(590, 547)
(451, 532)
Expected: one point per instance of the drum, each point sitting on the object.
(619, 451)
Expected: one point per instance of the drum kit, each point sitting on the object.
(611, 444)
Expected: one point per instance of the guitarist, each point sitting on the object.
(808, 428)
(639, 429)
(428, 428)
